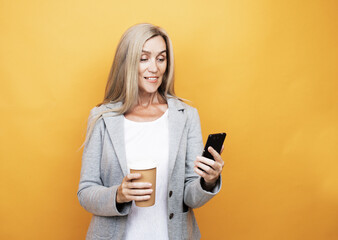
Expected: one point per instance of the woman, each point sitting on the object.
(141, 117)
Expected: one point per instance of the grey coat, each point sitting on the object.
(104, 166)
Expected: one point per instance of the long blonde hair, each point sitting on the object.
(122, 84)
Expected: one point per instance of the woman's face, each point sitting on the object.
(153, 64)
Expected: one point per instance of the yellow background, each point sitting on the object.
(263, 71)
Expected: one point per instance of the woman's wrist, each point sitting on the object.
(208, 186)
(118, 197)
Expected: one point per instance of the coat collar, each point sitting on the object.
(176, 121)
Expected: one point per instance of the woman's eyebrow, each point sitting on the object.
(163, 51)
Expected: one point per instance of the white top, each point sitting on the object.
(149, 142)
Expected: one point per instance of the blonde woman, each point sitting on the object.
(139, 118)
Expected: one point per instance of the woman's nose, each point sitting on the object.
(152, 66)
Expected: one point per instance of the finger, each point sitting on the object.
(206, 161)
(138, 185)
(132, 176)
(216, 155)
(137, 198)
(203, 167)
(208, 173)
(139, 192)
(200, 172)
(215, 165)
(208, 178)
(141, 198)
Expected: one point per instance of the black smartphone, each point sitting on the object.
(216, 141)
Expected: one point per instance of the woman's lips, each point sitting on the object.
(151, 79)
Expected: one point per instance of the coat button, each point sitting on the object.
(171, 215)
(170, 193)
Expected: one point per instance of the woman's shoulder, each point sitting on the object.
(104, 108)
(181, 104)
(96, 111)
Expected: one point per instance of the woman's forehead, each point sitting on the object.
(154, 45)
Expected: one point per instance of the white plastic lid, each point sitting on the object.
(142, 164)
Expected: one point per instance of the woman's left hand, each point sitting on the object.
(211, 169)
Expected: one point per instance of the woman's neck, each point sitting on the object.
(147, 99)
(148, 108)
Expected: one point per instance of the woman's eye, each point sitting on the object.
(161, 59)
(143, 59)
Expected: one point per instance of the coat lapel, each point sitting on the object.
(115, 126)
(177, 119)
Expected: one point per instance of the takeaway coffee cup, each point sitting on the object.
(148, 174)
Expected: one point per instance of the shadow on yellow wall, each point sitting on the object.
(265, 72)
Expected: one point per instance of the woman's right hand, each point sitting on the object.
(129, 191)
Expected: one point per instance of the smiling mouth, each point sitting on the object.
(151, 79)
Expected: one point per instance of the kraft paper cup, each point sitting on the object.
(148, 174)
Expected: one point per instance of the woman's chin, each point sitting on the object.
(149, 90)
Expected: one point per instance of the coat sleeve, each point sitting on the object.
(92, 194)
(194, 195)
